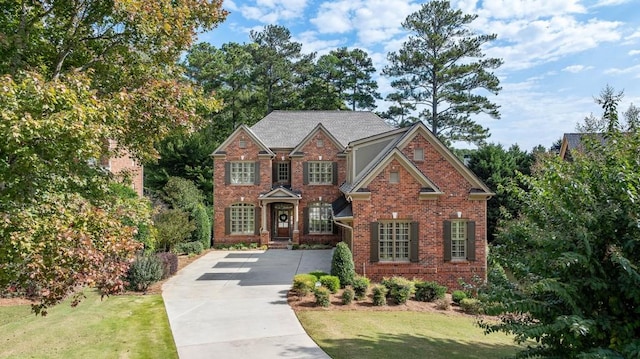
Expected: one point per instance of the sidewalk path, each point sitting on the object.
(234, 305)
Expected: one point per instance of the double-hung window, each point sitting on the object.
(242, 172)
(320, 172)
(320, 221)
(459, 240)
(394, 241)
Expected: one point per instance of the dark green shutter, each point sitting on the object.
(414, 254)
(257, 220)
(227, 220)
(305, 220)
(374, 244)
(446, 232)
(256, 172)
(227, 172)
(274, 172)
(471, 241)
(305, 172)
(335, 172)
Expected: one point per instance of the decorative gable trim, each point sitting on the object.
(280, 193)
(429, 189)
(319, 128)
(264, 150)
(420, 128)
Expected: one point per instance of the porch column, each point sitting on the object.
(263, 225)
(296, 232)
(295, 209)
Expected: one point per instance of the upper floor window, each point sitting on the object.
(320, 172)
(320, 221)
(281, 172)
(242, 172)
(394, 177)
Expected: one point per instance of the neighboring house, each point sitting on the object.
(126, 168)
(574, 142)
(401, 200)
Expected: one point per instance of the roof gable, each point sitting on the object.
(280, 193)
(310, 135)
(287, 129)
(242, 129)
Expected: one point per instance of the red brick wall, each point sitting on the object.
(403, 199)
(127, 167)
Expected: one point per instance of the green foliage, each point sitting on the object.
(174, 226)
(440, 68)
(347, 296)
(360, 286)
(330, 282)
(471, 306)
(188, 248)
(202, 232)
(182, 194)
(303, 284)
(323, 296)
(399, 289)
(429, 291)
(379, 295)
(318, 274)
(169, 264)
(144, 271)
(498, 169)
(579, 283)
(458, 295)
(342, 264)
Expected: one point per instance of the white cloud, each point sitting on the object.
(574, 69)
(273, 11)
(632, 70)
(634, 52)
(528, 9)
(603, 3)
(311, 43)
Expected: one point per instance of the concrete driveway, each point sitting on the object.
(234, 305)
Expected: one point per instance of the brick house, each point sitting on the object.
(398, 197)
(125, 167)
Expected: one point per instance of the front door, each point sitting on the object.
(282, 222)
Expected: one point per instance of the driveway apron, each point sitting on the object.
(234, 305)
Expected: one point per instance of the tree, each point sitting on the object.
(76, 74)
(441, 68)
(610, 120)
(573, 255)
(498, 169)
(342, 264)
(350, 73)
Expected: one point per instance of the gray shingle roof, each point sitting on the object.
(574, 140)
(285, 129)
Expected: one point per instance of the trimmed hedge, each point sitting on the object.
(471, 306)
(347, 296)
(400, 289)
(322, 297)
(188, 248)
(318, 274)
(429, 291)
(304, 284)
(342, 264)
(169, 264)
(458, 295)
(360, 286)
(330, 282)
(202, 232)
(379, 295)
(144, 271)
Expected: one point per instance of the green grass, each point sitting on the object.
(395, 334)
(132, 326)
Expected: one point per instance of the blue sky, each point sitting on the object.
(558, 54)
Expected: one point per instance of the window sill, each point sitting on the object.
(459, 261)
(320, 233)
(394, 262)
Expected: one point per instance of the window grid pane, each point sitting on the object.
(320, 172)
(458, 240)
(320, 220)
(242, 172)
(242, 219)
(394, 239)
(283, 172)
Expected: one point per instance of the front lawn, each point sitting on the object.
(402, 334)
(129, 326)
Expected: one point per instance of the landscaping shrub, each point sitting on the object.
(174, 226)
(471, 306)
(360, 286)
(144, 271)
(202, 232)
(330, 282)
(188, 248)
(379, 295)
(322, 297)
(181, 193)
(318, 274)
(347, 296)
(429, 291)
(458, 295)
(443, 303)
(342, 264)
(400, 289)
(169, 264)
(303, 284)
